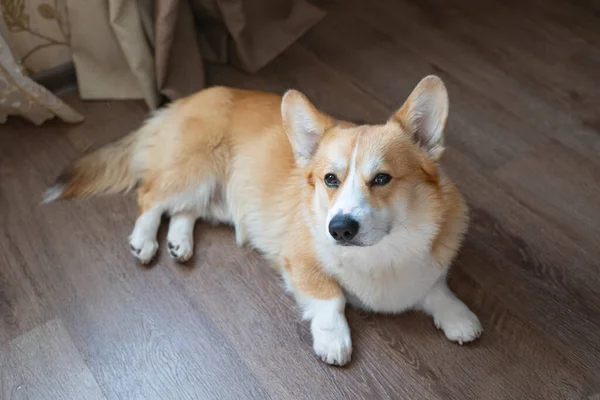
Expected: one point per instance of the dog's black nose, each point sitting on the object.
(343, 228)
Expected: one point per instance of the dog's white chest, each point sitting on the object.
(391, 290)
(389, 281)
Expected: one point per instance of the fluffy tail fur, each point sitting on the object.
(114, 168)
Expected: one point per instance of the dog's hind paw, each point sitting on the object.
(181, 251)
(143, 250)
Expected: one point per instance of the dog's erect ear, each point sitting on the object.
(424, 115)
(304, 125)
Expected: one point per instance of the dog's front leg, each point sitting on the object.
(323, 304)
(450, 314)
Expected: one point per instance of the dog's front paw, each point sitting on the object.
(143, 249)
(331, 340)
(459, 325)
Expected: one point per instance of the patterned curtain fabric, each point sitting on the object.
(33, 38)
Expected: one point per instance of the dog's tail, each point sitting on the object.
(114, 168)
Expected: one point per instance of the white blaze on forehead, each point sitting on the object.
(351, 197)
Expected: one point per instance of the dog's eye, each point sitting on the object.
(381, 179)
(331, 180)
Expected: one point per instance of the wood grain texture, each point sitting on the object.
(523, 145)
(44, 364)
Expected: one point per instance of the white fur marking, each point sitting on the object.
(287, 281)
(53, 194)
(180, 239)
(391, 276)
(450, 314)
(329, 328)
(143, 238)
(350, 197)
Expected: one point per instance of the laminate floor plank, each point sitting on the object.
(43, 364)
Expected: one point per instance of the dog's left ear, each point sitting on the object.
(424, 115)
(304, 125)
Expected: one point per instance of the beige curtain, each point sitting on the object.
(33, 37)
(136, 49)
(147, 48)
(113, 58)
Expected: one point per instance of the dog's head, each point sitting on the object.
(367, 181)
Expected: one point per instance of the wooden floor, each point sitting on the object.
(79, 319)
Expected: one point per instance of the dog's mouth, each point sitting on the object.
(350, 244)
(364, 240)
(357, 242)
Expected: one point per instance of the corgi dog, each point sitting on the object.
(357, 214)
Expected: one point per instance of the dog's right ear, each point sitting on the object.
(304, 125)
